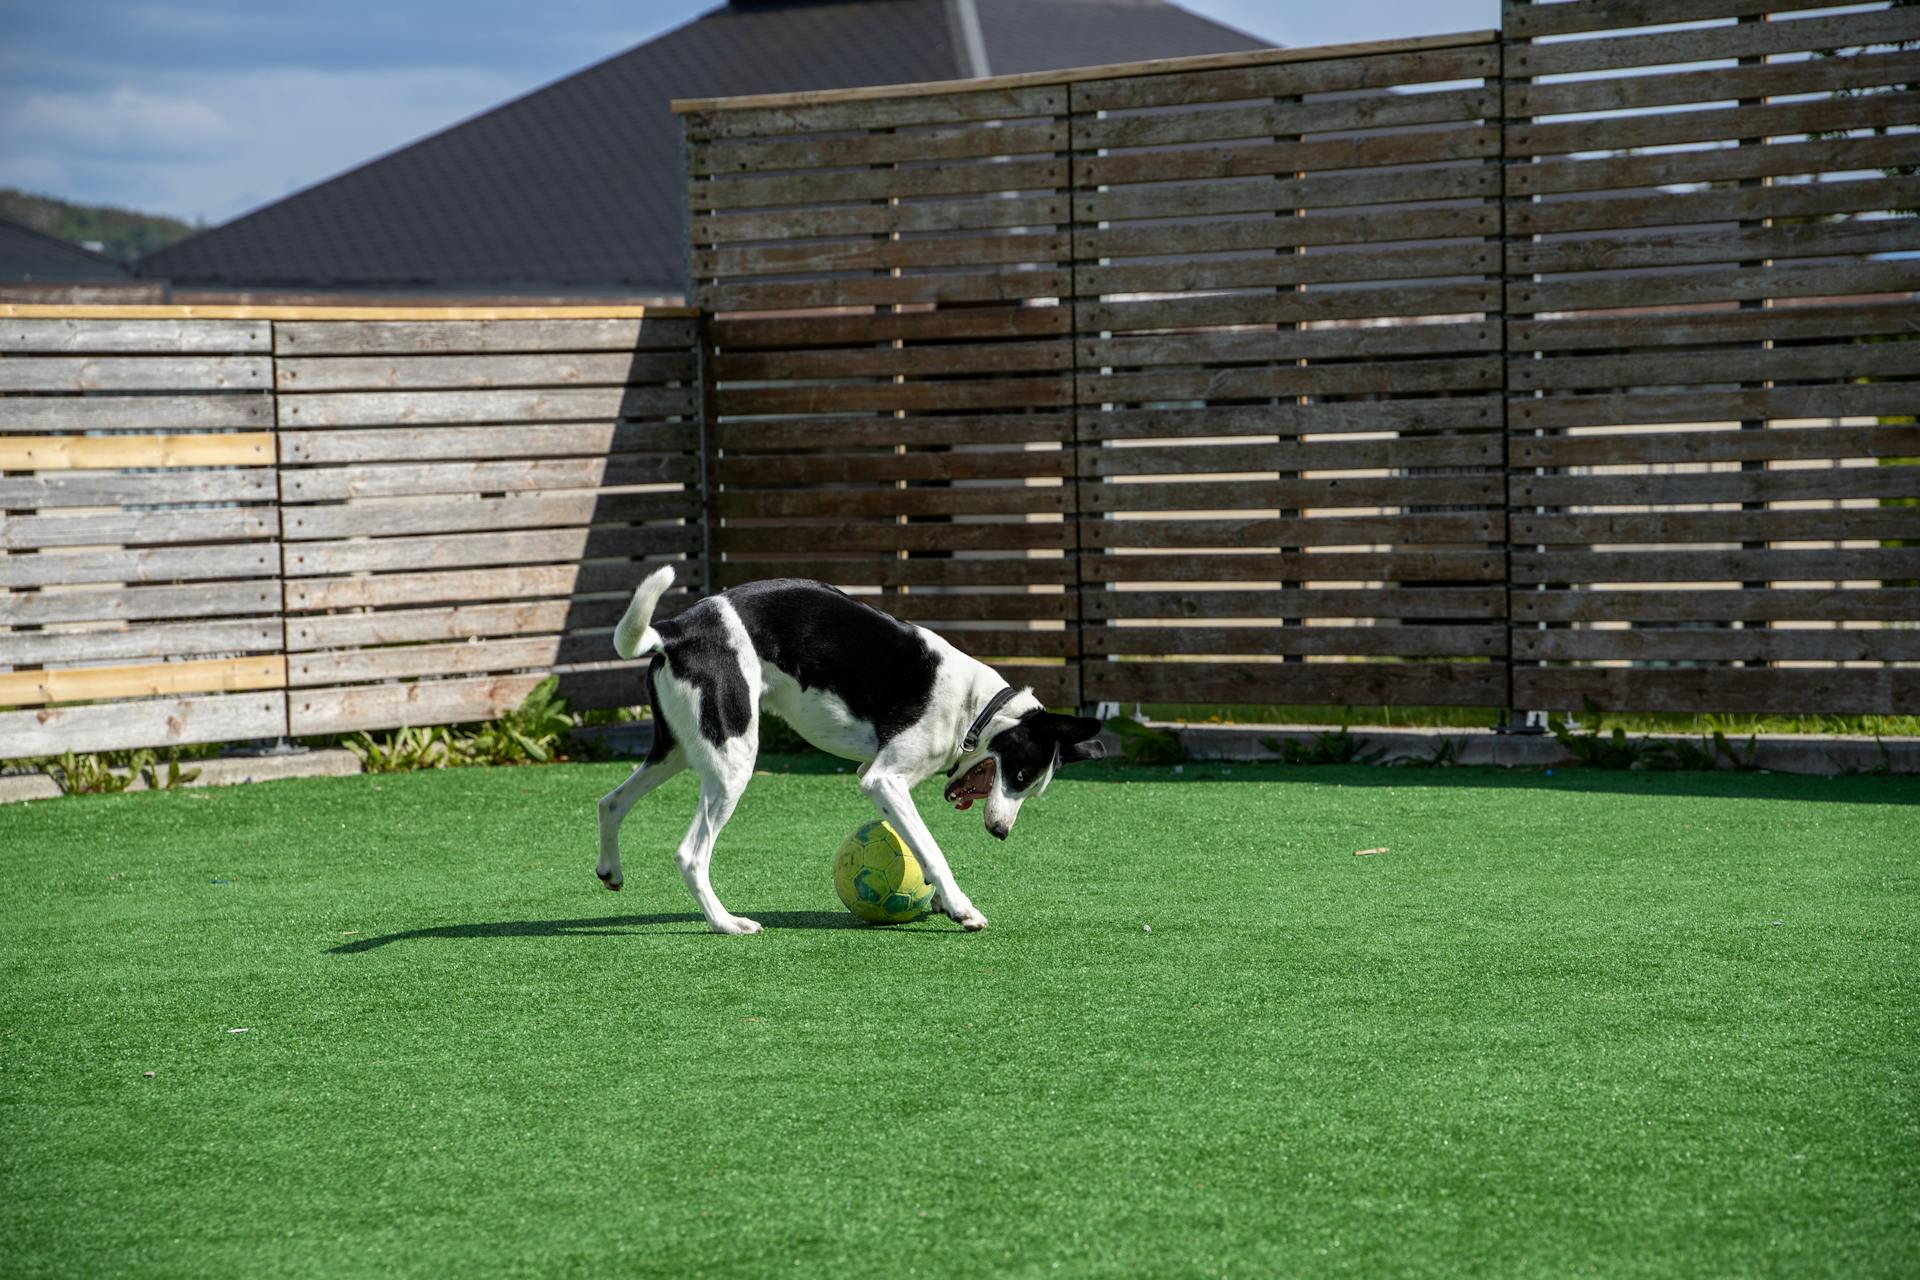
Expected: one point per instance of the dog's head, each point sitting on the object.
(1019, 763)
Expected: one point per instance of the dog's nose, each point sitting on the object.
(998, 830)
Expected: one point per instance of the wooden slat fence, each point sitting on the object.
(220, 529)
(1711, 333)
(891, 359)
(1286, 295)
(139, 535)
(1488, 370)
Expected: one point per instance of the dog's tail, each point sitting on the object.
(635, 634)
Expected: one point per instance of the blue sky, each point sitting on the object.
(208, 108)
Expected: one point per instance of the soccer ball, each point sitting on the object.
(878, 878)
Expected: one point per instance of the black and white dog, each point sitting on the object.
(853, 682)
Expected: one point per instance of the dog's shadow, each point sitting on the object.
(691, 922)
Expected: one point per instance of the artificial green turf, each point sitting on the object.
(1617, 1024)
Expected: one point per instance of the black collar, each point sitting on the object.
(980, 723)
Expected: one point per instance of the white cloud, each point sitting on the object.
(214, 145)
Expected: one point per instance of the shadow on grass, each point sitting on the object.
(604, 926)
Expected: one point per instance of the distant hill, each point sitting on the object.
(118, 233)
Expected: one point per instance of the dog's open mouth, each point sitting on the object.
(975, 784)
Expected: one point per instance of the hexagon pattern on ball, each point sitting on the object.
(878, 878)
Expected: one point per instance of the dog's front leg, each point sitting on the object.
(891, 795)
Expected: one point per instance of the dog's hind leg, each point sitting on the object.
(718, 796)
(615, 804)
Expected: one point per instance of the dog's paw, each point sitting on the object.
(736, 925)
(967, 916)
(611, 879)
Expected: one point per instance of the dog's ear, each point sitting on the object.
(1067, 730)
(1094, 749)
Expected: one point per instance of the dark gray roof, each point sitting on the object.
(576, 186)
(33, 257)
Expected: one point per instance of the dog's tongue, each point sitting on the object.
(975, 784)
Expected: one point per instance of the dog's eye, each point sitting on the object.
(1019, 777)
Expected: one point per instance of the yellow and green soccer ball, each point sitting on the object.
(878, 877)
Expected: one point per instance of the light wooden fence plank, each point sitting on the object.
(119, 726)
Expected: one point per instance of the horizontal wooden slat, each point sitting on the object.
(106, 489)
(917, 361)
(1464, 258)
(1718, 486)
(134, 373)
(1398, 301)
(1289, 344)
(1698, 565)
(145, 528)
(1694, 644)
(379, 408)
(1246, 566)
(1357, 491)
(1005, 285)
(1480, 373)
(735, 504)
(966, 142)
(898, 573)
(1631, 408)
(545, 369)
(120, 726)
(1784, 691)
(784, 333)
(463, 622)
(1672, 128)
(1681, 248)
(749, 435)
(891, 110)
(164, 564)
(1719, 164)
(1377, 110)
(1715, 446)
(817, 539)
(1320, 455)
(1720, 204)
(379, 517)
(1452, 414)
(1698, 604)
(1777, 324)
(842, 186)
(198, 600)
(1672, 88)
(89, 684)
(142, 640)
(1041, 391)
(1689, 287)
(998, 464)
(409, 444)
(808, 257)
(309, 594)
(946, 216)
(1320, 641)
(1398, 684)
(1524, 19)
(1245, 235)
(1257, 195)
(56, 453)
(1336, 602)
(1823, 524)
(427, 337)
(1322, 70)
(1851, 361)
(131, 337)
(134, 413)
(1781, 35)
(314, 670)
(421, 702)
(445, 551)
(1248, 159)
(1316, 531)
(366, 481)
